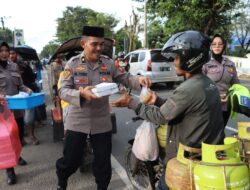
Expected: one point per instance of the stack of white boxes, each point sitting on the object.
(105, 89)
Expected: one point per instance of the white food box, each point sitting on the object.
(105, 89)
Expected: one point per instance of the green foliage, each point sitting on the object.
(155, 35)
(6, 35)
(122, 40)
(49, 50)
(202, 15)
(70, 25)
(207, 16)
(239, 52)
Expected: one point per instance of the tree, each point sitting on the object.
(6, 35)
(122, 40)
(207, 16)
(202, 15)
(132, 30)
(241, 25)
(49, 49)
(70, 25)
(155, 35)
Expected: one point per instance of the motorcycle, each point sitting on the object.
(145, 174)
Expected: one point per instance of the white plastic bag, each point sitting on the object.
(145, 95)
(145, 146)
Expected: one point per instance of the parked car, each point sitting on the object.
(151, 63)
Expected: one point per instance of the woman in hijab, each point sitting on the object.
(222, 71)
(10, 84)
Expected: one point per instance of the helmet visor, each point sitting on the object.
(170, 55)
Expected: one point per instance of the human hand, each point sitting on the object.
(144, 81)
(152, 99)
(223, 98)
(87, 94)
(29, 91)
(2, 99)
(123, 101)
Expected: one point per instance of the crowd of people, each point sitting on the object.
(197, 111)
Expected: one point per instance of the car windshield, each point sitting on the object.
(156, 56)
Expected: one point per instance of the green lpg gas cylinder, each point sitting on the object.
(244, 130)
(162, 135)
(179, 171)
(221, 168)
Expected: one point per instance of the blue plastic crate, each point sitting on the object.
(21, 103)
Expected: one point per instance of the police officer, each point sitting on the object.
(188, 109)
(89, 114)
(57, 67)
(222, 71)
(10, 84)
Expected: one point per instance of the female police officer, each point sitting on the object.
(10, 84)
(194, 107)
(222, 71)
(87, 113)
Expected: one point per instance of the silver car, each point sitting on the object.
(151, 63)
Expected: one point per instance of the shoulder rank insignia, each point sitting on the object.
(66, 74)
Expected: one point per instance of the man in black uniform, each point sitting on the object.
(194, 109)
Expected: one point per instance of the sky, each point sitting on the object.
(37, 18)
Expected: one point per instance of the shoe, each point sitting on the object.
(35, 141)
(22, 162)
(11, 176)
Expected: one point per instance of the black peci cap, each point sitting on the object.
(94, 31)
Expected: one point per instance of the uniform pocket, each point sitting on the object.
(16, 78)
(2, 81)
(215, 72)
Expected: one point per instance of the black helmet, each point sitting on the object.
(121, 55)
(191, 46)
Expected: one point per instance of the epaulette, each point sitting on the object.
(105, 57)
(74, 57)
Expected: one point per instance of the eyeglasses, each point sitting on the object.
(217, 45)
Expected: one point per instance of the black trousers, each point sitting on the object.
(73, 153)
(20, 124)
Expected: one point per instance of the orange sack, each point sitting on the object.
(10, 146)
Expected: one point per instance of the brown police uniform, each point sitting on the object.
(88, 117)
(11, 83)
(223, 74)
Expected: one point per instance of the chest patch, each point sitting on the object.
(81, 68)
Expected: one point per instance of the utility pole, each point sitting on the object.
(145, 24)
